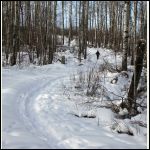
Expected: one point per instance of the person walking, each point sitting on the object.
(97, 54)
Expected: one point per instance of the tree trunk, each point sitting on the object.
(95, 42)
(105, 36)
(54, 26)
(135, 18)
(86, 29)
(70, 23)
(132, 108)
(15, 32)
(125, 36)
(142, 21)
(79, 33)
(50, 52)
(63, 22)
(98, 42)
(76, 19)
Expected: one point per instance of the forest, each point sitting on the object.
(101, 24)
(51, 74)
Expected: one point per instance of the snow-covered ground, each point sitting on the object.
(36, 113)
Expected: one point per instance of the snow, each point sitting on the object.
(123, 111)
(38, 109)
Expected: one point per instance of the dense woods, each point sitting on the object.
(38, 27)
(74, 74)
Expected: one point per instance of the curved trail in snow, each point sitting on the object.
(41, 118)
(21, 128)
(29, 114)
(46, 114)
(38, 102)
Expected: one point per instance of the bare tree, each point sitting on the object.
(135, 21)
(63, 21)
(15, 46)
(125, 36)
(79, 33)
(86, 28)
(141, 19)
(54, 26)
(50, 52)
(76, 18)
(70, 23)
(140, 50)
(106, 32)
(98, 23)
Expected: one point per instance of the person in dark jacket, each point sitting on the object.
(97, 54)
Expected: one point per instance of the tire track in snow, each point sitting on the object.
(27, 101)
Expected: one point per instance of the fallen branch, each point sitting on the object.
(85, 116)
(140, 123)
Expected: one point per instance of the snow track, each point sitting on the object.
(29, 114)
(21, 127)
(37, 116)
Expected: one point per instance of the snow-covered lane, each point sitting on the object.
(17, 94)
(37, 115)
(70, 131)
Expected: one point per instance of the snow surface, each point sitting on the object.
(36, 113)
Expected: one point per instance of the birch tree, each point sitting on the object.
(125, 35)
(16, 46)
(54, 25)
(134, 23)
(70, 23)
(132, 94)
(63, 22)
(50, 51)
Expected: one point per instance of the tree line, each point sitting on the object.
(36, 24)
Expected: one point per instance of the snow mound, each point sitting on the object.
(121, 127)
